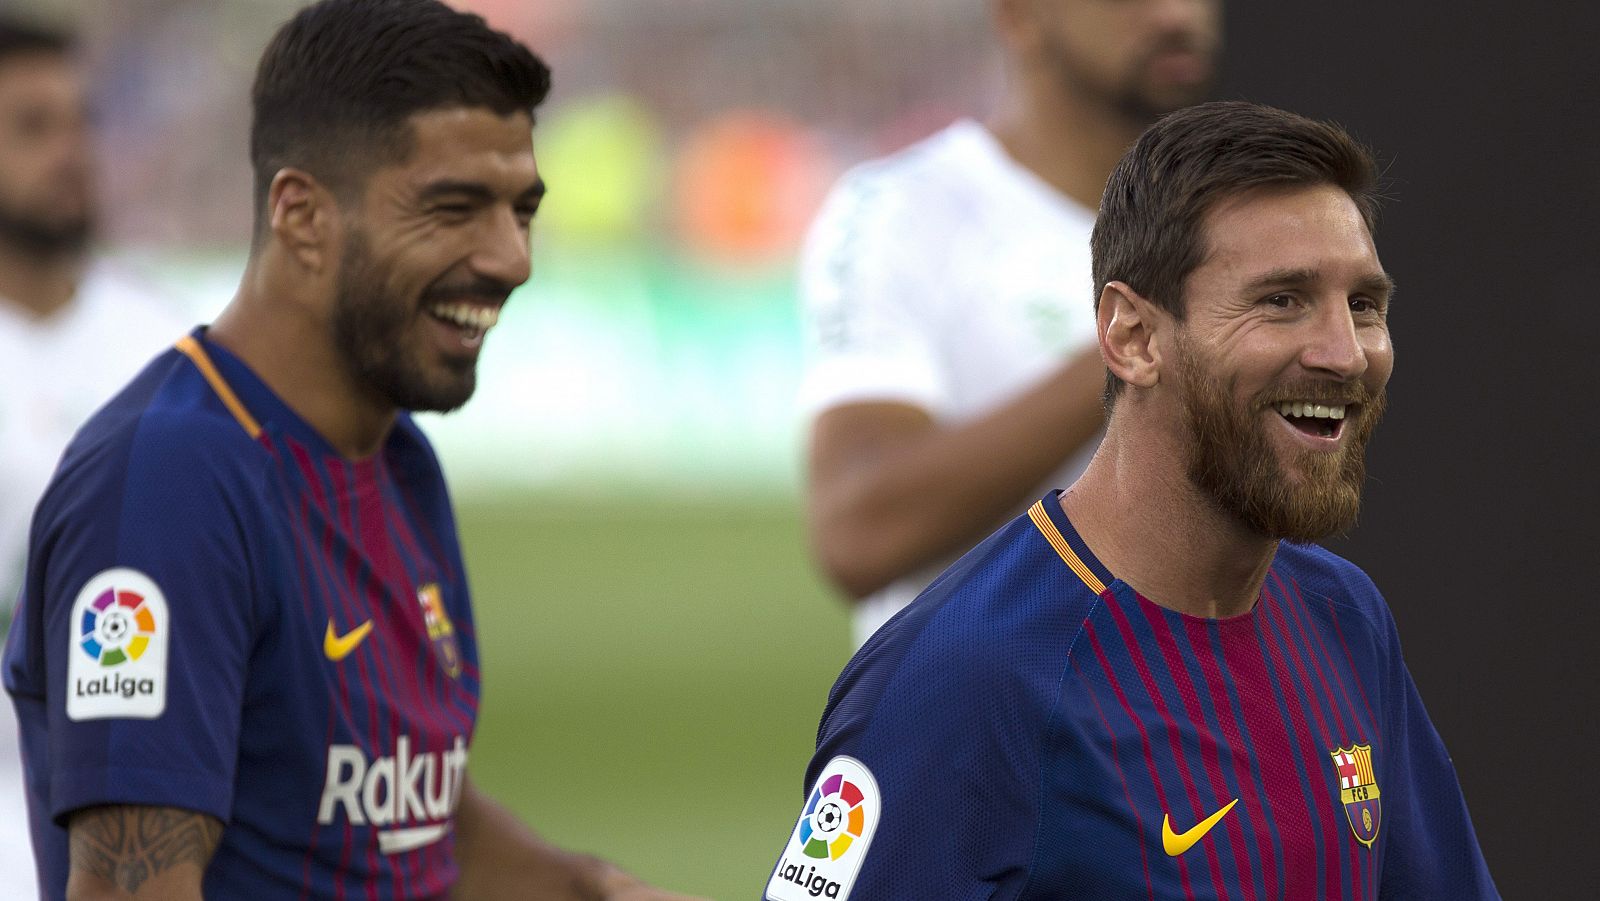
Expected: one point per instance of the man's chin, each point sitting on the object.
(444, 398)
(47, 238)
(411, 388)
(1305, 513)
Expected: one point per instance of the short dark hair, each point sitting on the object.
(17, 37)
(339, 81)
(1150, 232)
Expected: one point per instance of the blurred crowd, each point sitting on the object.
(715, 124)
(686, 142)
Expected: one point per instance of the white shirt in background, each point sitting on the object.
(948, 277)
(55, 372)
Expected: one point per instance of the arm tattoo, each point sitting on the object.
(127, 845)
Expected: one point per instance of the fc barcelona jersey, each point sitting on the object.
(1033, 728)
(224, 615)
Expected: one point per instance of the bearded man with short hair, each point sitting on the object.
(1152, 685)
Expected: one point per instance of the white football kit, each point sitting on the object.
(54, 372)
(948, 277)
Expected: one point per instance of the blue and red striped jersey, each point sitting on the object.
(222, 614)
(1033, 728)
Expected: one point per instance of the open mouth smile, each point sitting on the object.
(473, 321)
(1315, 420)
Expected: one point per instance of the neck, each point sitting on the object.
(1070, 141)
(39, 284)
(290, 347)
(1153, 529)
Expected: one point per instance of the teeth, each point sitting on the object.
(1309, 410)
(467, 315)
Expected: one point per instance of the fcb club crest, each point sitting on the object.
(440, 630)
(1358, 790)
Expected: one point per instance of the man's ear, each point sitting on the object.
(303, 218)
(1129, 327)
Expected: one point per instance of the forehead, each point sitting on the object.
(469, 143)
(1312, 228)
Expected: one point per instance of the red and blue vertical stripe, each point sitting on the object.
(1038, 730)
(1178, 716)
(359, 540)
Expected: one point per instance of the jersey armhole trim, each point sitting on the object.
(1048, 529)
(191, 348)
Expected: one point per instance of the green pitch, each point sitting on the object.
(653, 674)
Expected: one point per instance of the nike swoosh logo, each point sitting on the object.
(337, 646)
(1175, 844)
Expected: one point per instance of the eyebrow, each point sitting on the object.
(1378, 283)
(476, 190)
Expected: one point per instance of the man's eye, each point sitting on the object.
(1363, 305)
(1282, 301)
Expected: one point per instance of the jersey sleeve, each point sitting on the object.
(1432, 850)
(870, 315)
(142, 587)
(925, 783)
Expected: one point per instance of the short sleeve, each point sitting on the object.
(870, 312)
(1431, 850)
(142, 601)
(941, 760)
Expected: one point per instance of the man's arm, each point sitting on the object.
(501, 858)
(891, 491)
(130, 851)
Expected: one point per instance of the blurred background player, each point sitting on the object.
(71, 331)
(245, 660)
(951, 366)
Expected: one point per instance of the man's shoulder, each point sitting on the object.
(411, 454)
(166, 424)
(932, 176)
(1316, 561)
(991, 630)
(1329, 578)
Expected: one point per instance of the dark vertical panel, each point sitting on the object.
(1480, 523)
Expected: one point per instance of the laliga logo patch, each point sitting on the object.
(117, 651)
(829, 843)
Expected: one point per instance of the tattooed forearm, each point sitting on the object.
(128, 846)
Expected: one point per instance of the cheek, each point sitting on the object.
(402, 275)
(1098, 39)
(1380, 359)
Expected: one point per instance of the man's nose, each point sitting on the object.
(1334, 344)
(503, 253)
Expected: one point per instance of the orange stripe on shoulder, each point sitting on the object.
(191, 348)
(1041, 519)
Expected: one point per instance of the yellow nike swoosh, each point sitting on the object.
(1175, 844)
(337, 646)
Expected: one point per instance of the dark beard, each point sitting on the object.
(1134, 100)
(1235, 466)
(41, 238)
(369, 329)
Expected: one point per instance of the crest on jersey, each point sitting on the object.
(1358, 790)
(440, 630)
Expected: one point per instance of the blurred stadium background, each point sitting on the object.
(657, 648)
